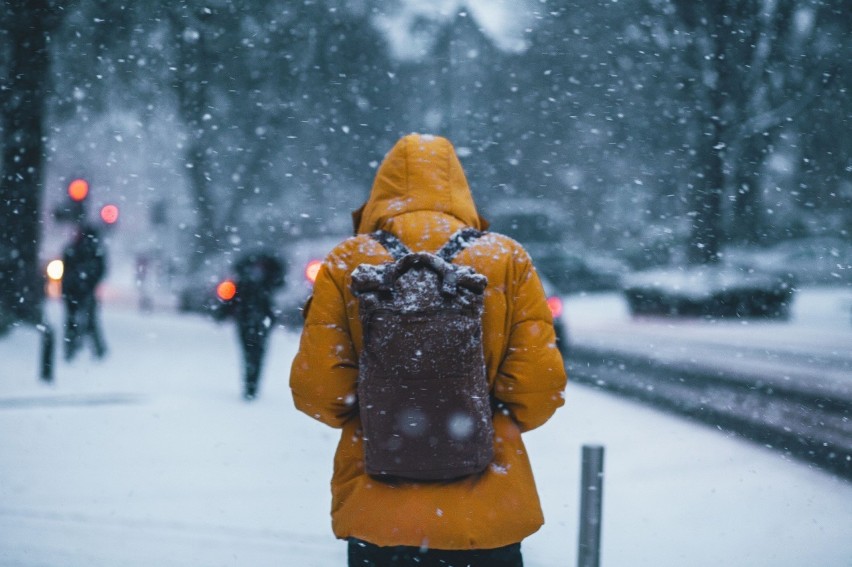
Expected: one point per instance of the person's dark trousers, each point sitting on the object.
(92, 326)
(81, 321)
(364, 554)
(253, 339)
(72, 327)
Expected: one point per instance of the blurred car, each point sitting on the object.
(572, 272)
(557, 309)
(303, 258)
(537, 225)
(200, 291)
(196, 291)
(709, 291)
(816, 260)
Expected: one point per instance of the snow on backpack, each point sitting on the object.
(422, 387)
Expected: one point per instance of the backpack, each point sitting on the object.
(422, 386)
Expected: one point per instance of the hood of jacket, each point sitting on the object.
(420, 173)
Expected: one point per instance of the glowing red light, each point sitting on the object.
(226, 290)
(555, 305)
(78, 189)
(312, 270)
(109, 214)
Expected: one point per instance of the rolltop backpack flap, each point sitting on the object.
(423, 281)
(453, 279)
(372, 285)
(422, 387)
(466, 285)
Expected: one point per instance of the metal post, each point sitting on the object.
(47, 348)
(591, 497)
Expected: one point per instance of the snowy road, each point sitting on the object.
(786, 384)
(815, 344)
(151, 458)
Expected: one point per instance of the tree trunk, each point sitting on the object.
(28, 23)
(706, 236)
(717, 110)
(194, 76)
(747, 224)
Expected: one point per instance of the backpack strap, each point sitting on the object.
(391, 243)
(460, 240)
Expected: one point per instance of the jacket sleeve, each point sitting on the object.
(324, 373)
(531, 378)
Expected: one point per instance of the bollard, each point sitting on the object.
(591, 497)
(47, 349)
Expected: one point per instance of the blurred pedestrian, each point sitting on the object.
(84, 261)
(420, 201)
(258, 275)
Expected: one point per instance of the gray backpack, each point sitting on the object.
(422, 387)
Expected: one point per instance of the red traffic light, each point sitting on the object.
(555, 305)
(78, 189)
(109, 214)
(312, 270)
(226, 290)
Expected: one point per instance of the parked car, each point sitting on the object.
(538, 226)
(709, 291)
(572, 272)
(815, 260)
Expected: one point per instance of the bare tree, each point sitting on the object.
(750, 70)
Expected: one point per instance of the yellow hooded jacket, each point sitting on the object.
(421, 195)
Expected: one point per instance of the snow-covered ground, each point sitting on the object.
(150, 457)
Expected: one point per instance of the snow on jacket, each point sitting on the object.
(421, 195)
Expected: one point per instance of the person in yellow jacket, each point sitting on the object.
(421, 196)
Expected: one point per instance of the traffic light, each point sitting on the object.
(109, 214)
(312, 270)
(78, 189)
(226, 290)
(73, 209)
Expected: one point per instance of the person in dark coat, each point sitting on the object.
(84, 261)
(258, 275)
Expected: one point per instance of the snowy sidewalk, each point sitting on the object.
(151, 458)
